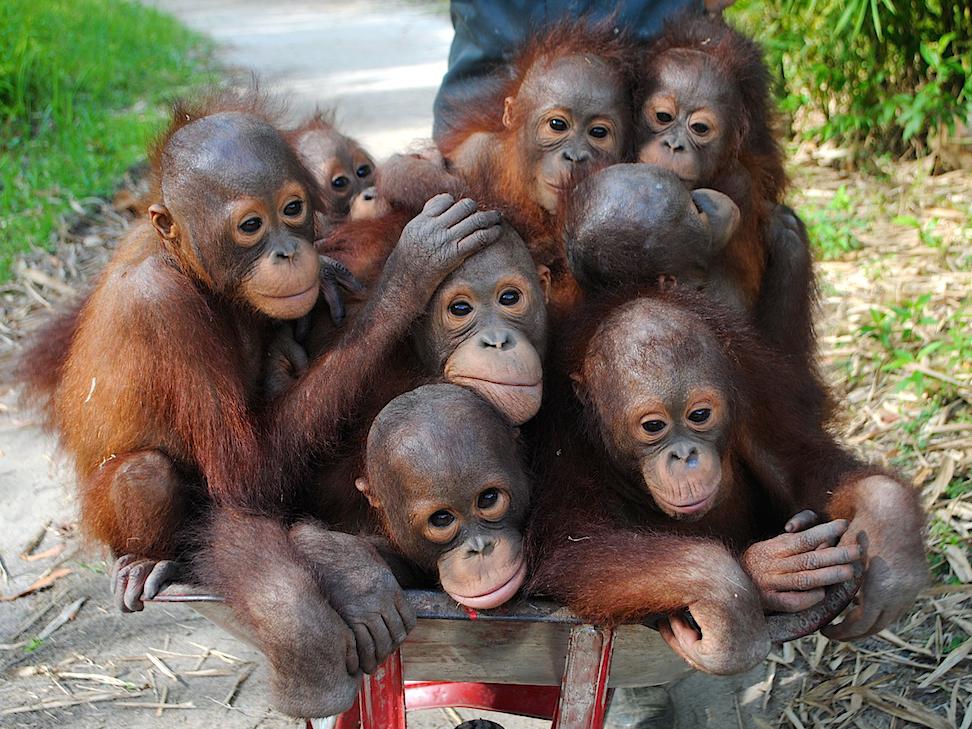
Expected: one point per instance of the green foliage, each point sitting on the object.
(81, 83)
(920, 349)
(958, 488)
(872, 75)
(34, 644)
(926, 232)
(942, 535)
(955, 642)
(831, 228)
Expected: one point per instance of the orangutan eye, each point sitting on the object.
(339, 183)
(293, 208)
(510, 297)
(363, 171)
(558, 124)
(700, 128)
(700, 415)
(441, 519)
(664, 117)
(653, 426)
(488, 499)
(460, 308)
(251, 225)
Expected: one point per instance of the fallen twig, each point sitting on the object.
(66, 615)
(153, 705)
(231, 695)
(39, 584)
(35, 541)
(58, 704)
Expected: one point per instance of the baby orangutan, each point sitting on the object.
(343, 169)
(692, 450)
(444, 470)
(706, 114)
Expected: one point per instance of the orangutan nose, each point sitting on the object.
(479, 547)
(497, 339)
(575, 156)
(283, 250)
(675, 145)
(685, 452)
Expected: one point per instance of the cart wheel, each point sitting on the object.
(479, 724)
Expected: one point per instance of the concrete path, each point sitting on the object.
(377, 63)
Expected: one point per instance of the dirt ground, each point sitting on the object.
(67, 657)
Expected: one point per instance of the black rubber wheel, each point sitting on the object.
(479, 724)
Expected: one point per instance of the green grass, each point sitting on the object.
(912, 336)
(924, 350)
(33, 645)
(82, 90)
(831, 228)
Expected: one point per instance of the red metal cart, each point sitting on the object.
(530, 658)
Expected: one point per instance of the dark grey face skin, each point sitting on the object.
(238, 206)
(572, 113)
(654, 381)
(632, 224)
(685, 118)
(444, 469)
(486, 327)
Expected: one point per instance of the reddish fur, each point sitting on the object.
(321, 120)
(362, 246)
(117, 395)
(779, 461)
(278, 601)
(41, 364)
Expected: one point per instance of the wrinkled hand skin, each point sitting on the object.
(784, 218)
(135, 579)
(435, 243)
(361, 589)
(734, 635)
(336, 277)
(896, 568)
(787, 236)
(791, 570)
(286, 361)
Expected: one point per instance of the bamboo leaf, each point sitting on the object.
(876, 19)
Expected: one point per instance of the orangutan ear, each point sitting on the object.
(508, 112)
(580, 386)
(163, 223)
(543, 273)
(364, 487)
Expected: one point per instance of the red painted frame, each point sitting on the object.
(578, 703)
